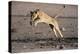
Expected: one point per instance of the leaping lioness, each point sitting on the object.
(39, 16)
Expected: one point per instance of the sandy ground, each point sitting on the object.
(43, 45)
(25, 38)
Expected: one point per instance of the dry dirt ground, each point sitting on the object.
(25, 38)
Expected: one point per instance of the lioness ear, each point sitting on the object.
(31, 12)
(37, 9)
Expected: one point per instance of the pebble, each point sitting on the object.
(60, 46)
(63, 29)
(24, 46)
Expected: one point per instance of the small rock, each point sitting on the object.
(41, 47)
(24, 46)
(60, 46)
(63, 29)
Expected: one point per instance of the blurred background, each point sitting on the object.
(67, 19)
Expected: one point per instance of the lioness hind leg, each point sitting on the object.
(59, 31)
(55, 32)
(53, 29)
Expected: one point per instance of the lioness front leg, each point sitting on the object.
(36, 22)
(55, 32)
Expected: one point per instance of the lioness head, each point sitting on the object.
(34, 15)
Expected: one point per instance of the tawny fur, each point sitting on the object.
(39, 16)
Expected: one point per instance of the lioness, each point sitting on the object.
(38, 16)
